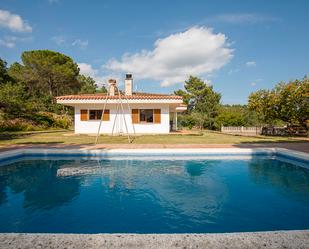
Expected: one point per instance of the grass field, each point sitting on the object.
(68, 137)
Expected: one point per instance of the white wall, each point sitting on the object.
(91, 126)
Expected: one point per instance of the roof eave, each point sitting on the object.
(115, 101)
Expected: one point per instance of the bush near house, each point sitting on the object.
(236, 115)
(49, 119)
(39, 121)
(18, 124)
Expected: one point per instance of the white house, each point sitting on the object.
(140, 113)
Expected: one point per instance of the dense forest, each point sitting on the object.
(28, 90)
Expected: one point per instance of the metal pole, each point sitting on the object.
(124, 118)
(98, 133)
(129, 108)
(115, 118)
(176, 126)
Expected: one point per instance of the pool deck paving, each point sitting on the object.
(298, 146)
(269, 240)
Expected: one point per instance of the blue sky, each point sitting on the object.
(237, 46)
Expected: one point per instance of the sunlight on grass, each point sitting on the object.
(68, 137)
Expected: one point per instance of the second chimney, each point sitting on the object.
(112, 84)
(128, 84)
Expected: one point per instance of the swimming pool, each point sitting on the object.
(170, 191)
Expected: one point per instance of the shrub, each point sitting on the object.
(63, 121)
(49, 119)
(38, 121)
(186, 121)
(17, 125)
(43, 118)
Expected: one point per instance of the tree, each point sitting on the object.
(288, 102)
(292, 101)
(12, 100)
(4, 76)
(102, 90)
(46, 72)
(231, 116)
(203, 102)
(185, 95)
(235, 115)
(87, 84)
(262, 102)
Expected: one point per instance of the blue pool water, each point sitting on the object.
(153, 196)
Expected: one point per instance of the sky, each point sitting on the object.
(238, 47)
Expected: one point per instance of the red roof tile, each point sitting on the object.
(103, 96)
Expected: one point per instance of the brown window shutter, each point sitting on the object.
(135, 118)
(83, 115)
(157, 116)
(106, 115)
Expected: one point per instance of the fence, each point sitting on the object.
(241, 130)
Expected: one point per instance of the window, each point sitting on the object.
(97, 114)
(146, 115)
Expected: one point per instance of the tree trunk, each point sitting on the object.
(50, 84)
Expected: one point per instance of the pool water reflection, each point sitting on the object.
(153, 196)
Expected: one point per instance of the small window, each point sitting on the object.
(146, 115)
(97, 115)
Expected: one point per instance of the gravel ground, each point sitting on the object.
(269, 240)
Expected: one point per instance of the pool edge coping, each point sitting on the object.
(16, 153)
(266, 239)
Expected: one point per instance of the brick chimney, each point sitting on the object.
(128, 84)
(112, 85)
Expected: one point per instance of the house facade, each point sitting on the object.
(139, 113)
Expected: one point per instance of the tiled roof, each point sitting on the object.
(103, 96)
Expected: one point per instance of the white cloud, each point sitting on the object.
(59, 40)
(87, 70)
(232, 71)
(13, 22)
(250, 63)
(80, 43)
(197, 51)
(243, 18)
(10, 41)
(255, 82)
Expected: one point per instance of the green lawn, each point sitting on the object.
(68, 137)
